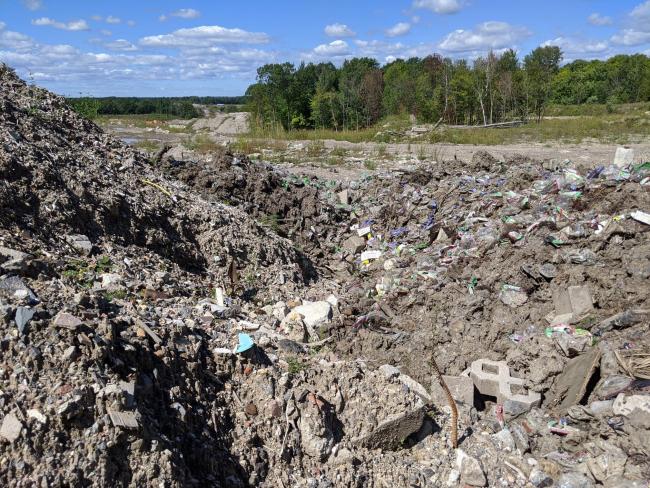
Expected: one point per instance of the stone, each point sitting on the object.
(126, 420)
(11, 427)
(572, 345)
(23, 316)
(602, 408)
(344, 197)
(314, 313)
(67, 321)
(623, 157)
(539, 478)
(574, 480)
(504, 440)
(389, 371)
(626, 405)
(471, 472)
(70, 354)
(274, 409)
(513, 296)
(548, 271)
(280, 311)
(391, 432)
(251, 409)
(293, 326)
(15, 260)
(354, 244)
(111, 281)
(80, 243)
(460, 387)
(520, 437)
(37, 415)
(609, 464)
(14, 287)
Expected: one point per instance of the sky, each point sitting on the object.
(213, 47)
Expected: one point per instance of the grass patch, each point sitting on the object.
(201, 143)
(148, 145)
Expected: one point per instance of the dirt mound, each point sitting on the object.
(157, 327)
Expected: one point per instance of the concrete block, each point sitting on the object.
(390, 433)
(493, 378)
(461, 388)
(572, 302)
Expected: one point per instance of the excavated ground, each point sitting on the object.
(127, 283)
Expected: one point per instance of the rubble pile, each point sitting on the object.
(228, 323)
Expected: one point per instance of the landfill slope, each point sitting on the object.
(222, 322)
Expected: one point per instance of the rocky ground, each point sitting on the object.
(226, 322)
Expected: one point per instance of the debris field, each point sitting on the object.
(224, 322)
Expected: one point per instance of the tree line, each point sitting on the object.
(181, 107)
(489, 89)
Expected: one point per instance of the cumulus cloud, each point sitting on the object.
(440, 6)
(183, 13)
(74, 25)
(574, 48)
(631, 37)
(339, 30)
(597, 19)
(120, 45)
(33, 4)
(205, 36)
(638, 31)
(485, 36)
(334, 48)
(399, 29)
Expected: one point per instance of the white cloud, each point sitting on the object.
(33, 4)
(113, 20)
(488, 35)
(14, 40)
(74, 25)
(440, 6)
(106, 32)
(183, 13)
(641, 13)
(334, 48)
(339, 30)
(399, 29)
(121, 45)
(631, 37)
(597, 19)
(97, 18)
(578, 48)
(206, 35)
(130, 23)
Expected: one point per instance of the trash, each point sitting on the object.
(624, 157)
(642, 217)
(370, 255)
(245, 343)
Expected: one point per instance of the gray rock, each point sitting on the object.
(389, 371)
(11, 427)
(314, 313)
(471, 472)
(574, 480)
(354, 244)
(23, 316)
(80, 243)
(67, 321)
(539, 478)
(14, 287)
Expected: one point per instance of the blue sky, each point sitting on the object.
(212, 47)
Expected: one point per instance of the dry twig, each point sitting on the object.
(450, 400)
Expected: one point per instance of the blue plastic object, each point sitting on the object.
(245, 343)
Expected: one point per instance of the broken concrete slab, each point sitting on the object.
(390, 433)
(571, 385)
(314, 313)
(126, 420)
(461, 388)
(623, 157)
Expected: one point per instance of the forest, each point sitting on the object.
(495, 88)
(181, 107)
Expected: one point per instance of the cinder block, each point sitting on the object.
(493, 378)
